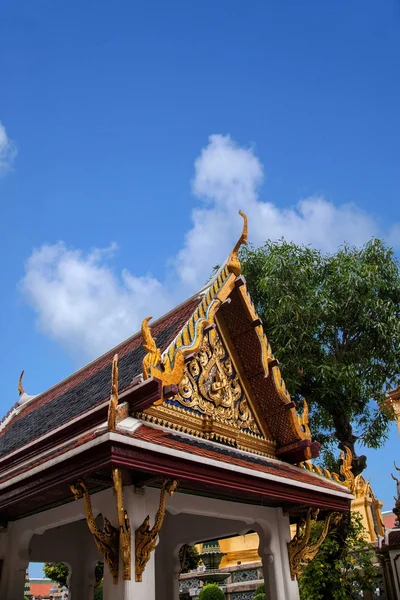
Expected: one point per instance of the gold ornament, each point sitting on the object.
(107, 541)
(301, 550)
(113, 405)
(346, 469)
(125, 543)
(146, 537)
(211, 386)
(303, 419)
(153, 354)
(233, 263)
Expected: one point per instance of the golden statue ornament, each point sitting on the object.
(301, 550)
(125, 543)
(153, 354)
(113, 405)
(146, 537)
(107, 541)
(233, 263)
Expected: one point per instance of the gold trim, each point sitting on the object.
(146, 537)
(301, 551)
(153, 354)
(107, 541)
(125, 543)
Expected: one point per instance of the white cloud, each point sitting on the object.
(81, 303)
(84, 305)
(8, 151)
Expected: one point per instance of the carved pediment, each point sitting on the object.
(211, 400)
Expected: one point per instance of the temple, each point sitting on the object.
(182, 434)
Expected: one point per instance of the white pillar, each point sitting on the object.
(274, 537)
(82, 580)
(138, 505)
(16, 560)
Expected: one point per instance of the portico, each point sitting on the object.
(197, 440)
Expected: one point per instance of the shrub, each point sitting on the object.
(260, 590)
(261, 596)
(211, 591)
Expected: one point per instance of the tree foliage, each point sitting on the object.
(188, 558)
(344, 578)
(333, 323)
(57, 572)
(98, 594)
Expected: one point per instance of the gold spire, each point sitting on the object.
(153, 354)
(233, 263)
(20, 386)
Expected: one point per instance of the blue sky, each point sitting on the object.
(115, 200)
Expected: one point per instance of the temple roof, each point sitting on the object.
(198, 397)
(88, 387)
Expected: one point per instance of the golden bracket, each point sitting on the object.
(146, 537)
(300, 549)
(125, 543)
(113, 405)
(153, 354)
(107, 540)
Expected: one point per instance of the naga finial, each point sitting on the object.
(113, 405)
(153, 354)
(20, 386)
(233, 263)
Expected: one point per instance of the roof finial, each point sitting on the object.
(20, 386)
(153, 354)
(113, 405)
(233, 263)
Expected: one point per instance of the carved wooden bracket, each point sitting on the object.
(301, 550)
(107, 541)
(125, 544)
(146, 537)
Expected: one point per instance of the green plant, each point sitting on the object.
(211, 591)
(259, 590)
(98, 595)
(341, 572)
(260, 596)
(188, 558)
(333, 321)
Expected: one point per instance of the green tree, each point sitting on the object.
(188, 558)
(333, 323)
(57, 572)
(211, 591)
(344, 578)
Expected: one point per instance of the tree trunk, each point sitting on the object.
(344, 433)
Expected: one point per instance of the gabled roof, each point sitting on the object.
(70, 419)
(89, 386)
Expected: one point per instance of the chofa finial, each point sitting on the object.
(153, 354)
(113, 404)
(233, 263)
(20, 386)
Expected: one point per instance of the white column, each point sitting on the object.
(274, 537)
(82, 580)
(138, 506)
(16, 560)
